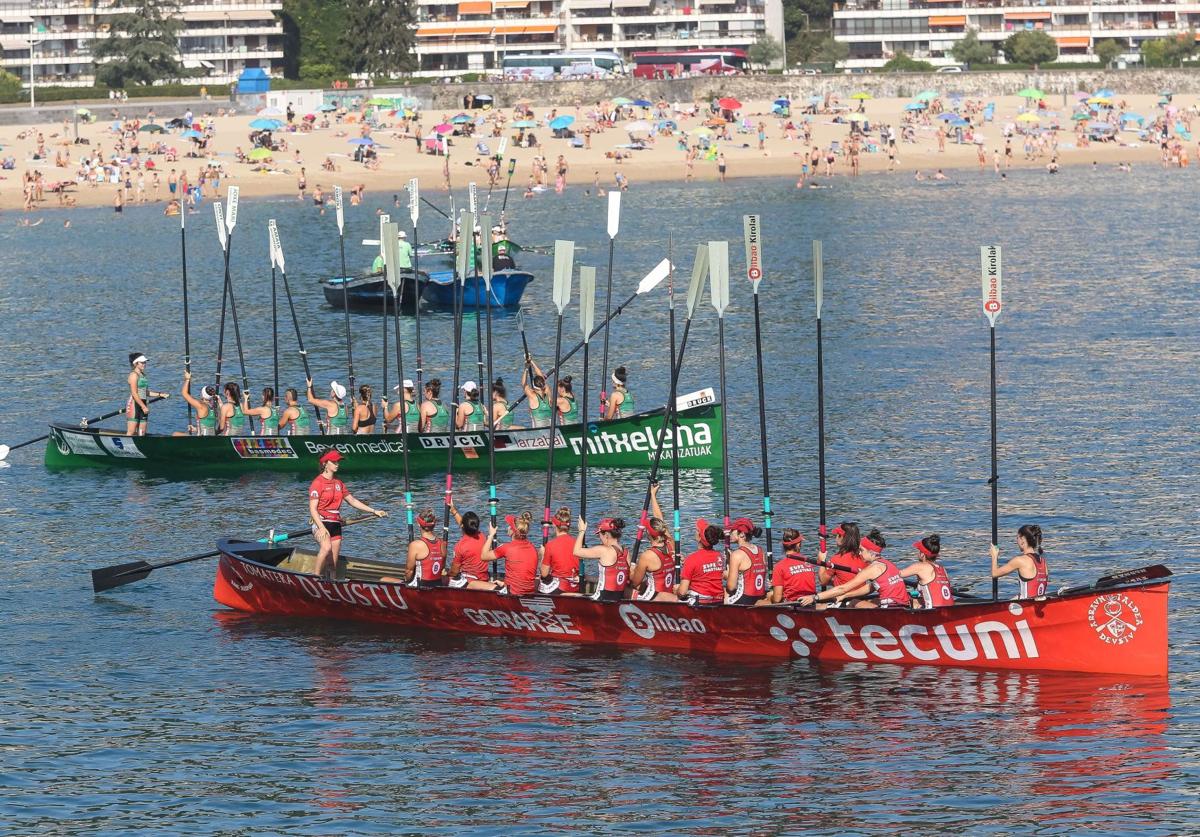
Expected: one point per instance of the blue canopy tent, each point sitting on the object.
(253, 80)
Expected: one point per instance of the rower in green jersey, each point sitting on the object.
(620, 401)
(294, 419)
(435, 418)
(267, 414)
(568, 409)
(205, 406)
(408, 403)
(502, 417)
(538, 394)
(137, 408)
(470, 414)
(335, 409)
(232, 418)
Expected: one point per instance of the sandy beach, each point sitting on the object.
(930, 143)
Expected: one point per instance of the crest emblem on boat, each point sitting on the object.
(237, 582)
(783, 633)
(538, 605)
(1115, 618)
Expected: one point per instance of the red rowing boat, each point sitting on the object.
(1116, 626)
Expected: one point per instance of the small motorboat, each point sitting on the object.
(365, 293)
(507, 288)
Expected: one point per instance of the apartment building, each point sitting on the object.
(219, 38)
(475, 35)
(875, 30)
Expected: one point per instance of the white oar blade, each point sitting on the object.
(337, 202)
(414, 202)
(699, 274)
(275, 245)
(466, 240)
(232, 208)
(473, 198)
(391, 254)
(383, 219)
(652, 279)
(818, 274)
(485, 267)
(564, 266)
(502, 147)
(752, 235)
(614, 213)
(4, 449)
(989, 257)
(222, 233)
(587, 301)
(718, 274)
(271, 245)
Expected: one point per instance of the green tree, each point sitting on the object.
(1169, 52)
(902, 62)
(832, 51)
(1107, 51)
(143, 47)
(971, 51)
(10, 85)
(378, 38)
(312, 35)
(1030, 47)
(765, 52)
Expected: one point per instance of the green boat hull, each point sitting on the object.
(621, 443)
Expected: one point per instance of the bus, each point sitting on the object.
(563, 65)
(724, 62)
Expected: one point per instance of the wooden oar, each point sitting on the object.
(754, 272)
(274, 318)
(649, 282)
(818, 291)
(4, 449)
(512, 166)
(718, 292)
(384, 220)
(990, 259)
(273, 232)
(390, 238)
(614, 224)
(485, 223)
(341, 222)
(414, 212)
(187, 334)
(119, 575)
(587, 314)
(465, 244)
(564, 266)
(674, 417)
(1150, 573)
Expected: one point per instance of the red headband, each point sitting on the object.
(427, 522)
(701, 525)
(920, 547)
(870, 546)
(838, 530)
(796, 541)
(606, 525)
(743, 525)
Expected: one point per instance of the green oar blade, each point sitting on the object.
(110, 577)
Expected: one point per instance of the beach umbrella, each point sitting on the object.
(1099, 100)
(461, 119)
(1108, 93)
(702, 131)
(782, 102)
(378, 101)
(327, 108)
(310, 117)
(857, 117)
(621, 101)
(1081, 117)
(190, 133)
(638, 127)
(1081, 95)
(958, 122)
(728, 103)
(151, 129)
(1029, 117)
(667, 125)
(814, 100)
(862, 96)
(259, 154)
(926, 96)
(946, 117)
(520, 123)
(444, 128)
(916, 106)
(261, 124)
(560, 122)
(642, 103)
(270, 112)
(1131, 117)
(1031, 93)
(362, 141)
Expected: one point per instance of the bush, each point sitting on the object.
(903, 63)
(1030, 47)
(309, 72)
(10, 86)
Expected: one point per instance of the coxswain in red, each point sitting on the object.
(702, 577)
(1033, 576)
(426, 562)
(793, 577)
(326, 493)
(560, 568)
(746, 575)
(931, 576)
(880, 576)
(612, 557)
(847, 555)
(520, 556)
(467, 567)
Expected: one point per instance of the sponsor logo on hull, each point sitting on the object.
(648, 625)
(691, 440)
(122, 446)
(79, 443)
(392, 445)
(263, 447)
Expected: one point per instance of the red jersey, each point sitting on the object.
(847, 559)
(797, 578)
(753, 580)
(520, 566)
(614, 578)
(560, 558)
(1031, 588)
(938, 593)
(468, 557)
(329, 493)
(429, 568)
(704, 571)
(661, 580)
(890, 586)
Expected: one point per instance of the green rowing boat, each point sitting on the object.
(621, 443)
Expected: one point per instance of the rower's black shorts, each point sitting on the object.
(608, 596)
(745, 600)
(333, 527)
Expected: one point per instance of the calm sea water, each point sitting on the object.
(151, 709)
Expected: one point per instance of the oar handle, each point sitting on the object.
(85, 423)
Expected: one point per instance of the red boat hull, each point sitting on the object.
(1121, 630)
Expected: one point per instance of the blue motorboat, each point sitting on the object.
(507, 288)
(365, 293)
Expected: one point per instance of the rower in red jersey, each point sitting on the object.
(793, 577)
(326, 493)
(880, 576)
(702, 578)
(746, 575)
(560, 568)
(612, 557)
(1033, 576)
(932, 580)
(426, 555)
(653, 576)
(467, 567)
(520, 556)
(848, 555)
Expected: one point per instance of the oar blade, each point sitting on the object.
(110, 577)
(466, 241)
(564, 266)
(222, 233)
(1150, 573)
(654, 278)
(231, 208)
(718, 274)
(391, 254)
(699, 273)
(587, 300)
(485, 226)
(752, 235)
(4, 449)
(414, 202)
(276, 247)
(614, 213)
(818, 274)
(341, 214)
(989, 258)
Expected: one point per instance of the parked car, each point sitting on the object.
(953, 68)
